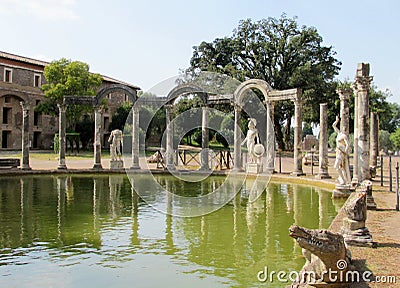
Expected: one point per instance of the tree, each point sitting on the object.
(66, 77)
(281, 53)
(395, 139)
(385, 143)
(388, 113)
(307, 130)
(119, 118)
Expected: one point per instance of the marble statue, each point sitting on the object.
(342, 155)
(252, 138)
(115, 141)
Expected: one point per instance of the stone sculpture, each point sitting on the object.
(252, 138)
(255, 149)
(115, 141)
(342, 155)
(353, 229)
(324, 251)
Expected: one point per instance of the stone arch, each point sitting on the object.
(19, 95)
(183, 89)
(259, 84)
(238, 99)
(113, 88)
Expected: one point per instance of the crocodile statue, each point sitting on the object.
(324, 251)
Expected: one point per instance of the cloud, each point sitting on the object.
(41, 9)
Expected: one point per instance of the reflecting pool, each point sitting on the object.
(94, 231)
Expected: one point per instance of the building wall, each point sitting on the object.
(25, 76)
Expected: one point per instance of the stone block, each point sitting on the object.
(116, 165)
(352, 224)
(254, 168)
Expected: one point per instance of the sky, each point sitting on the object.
(146, 42)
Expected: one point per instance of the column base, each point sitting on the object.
(97, 167)
(62, 167)
(297, 173)
(26, 168)
(134, 168)
(171, 167)
(323, 176)
(371, 204)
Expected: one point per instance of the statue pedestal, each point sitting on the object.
(254, 168)
(116, 165)
(341, 191)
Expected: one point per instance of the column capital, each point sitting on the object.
(269, 102)
(362, 83)
(62, 107)
(169, 107)
(98, 108)
(237, 107)
(25, 106)
(298, 102)
(344, 93)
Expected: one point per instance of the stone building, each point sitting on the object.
(20, 80)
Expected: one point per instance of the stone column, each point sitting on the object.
(363, 81)
(25, 136)
(354, 181)
(298, 168)
(97, 137)
(135, 138)
(344, 96)
(170, 138)
(374, 140)
(204, 139)
(237, 149)
(323, 142)
(62, 122)
(270, 137)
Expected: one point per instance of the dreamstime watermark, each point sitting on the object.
(162, 194)
(340, 275)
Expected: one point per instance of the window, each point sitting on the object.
(5, 138)
(36, 118)
(8, 75)
(36, 139)
(6, 115)
(37, 80)
(7, 99)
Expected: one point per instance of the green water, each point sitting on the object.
(93, 231)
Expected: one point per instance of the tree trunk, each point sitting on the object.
(278, 134)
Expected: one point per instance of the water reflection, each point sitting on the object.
(82, 222)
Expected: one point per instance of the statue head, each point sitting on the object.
(252, 123)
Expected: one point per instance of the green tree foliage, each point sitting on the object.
(388, 113)
(280, 52)
(307, 129)
(395, 139)
(85, 128)
(384, 140)
(119, 118)
(66, 77)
